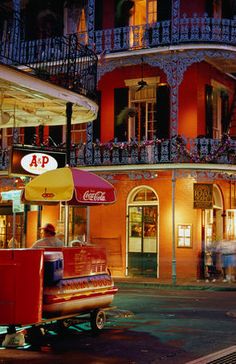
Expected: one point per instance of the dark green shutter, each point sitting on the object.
(209, 8)
(29, 133)
(120, 102)
(163, 112)
(164, 10)
(227, 9)
(98, 14)
(122, 12)
(55, 132)
(209, 110)
(224, 111)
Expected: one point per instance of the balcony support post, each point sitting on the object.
(16, 29)
(173, 229)
(90, 17)
(68, 131)
(175, 21)
(89, 144)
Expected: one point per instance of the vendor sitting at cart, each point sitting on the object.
(49, 239)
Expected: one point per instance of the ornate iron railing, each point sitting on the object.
(60, 60)
(175, 150)
(196, 29)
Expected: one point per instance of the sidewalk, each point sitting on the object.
(138, 282)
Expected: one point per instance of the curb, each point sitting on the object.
(199, 287)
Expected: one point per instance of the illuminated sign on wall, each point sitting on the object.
(33, 161)
(15, 197)
(203, 196)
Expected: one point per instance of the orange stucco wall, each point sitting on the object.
(110, 222)
(50, 214)
(31, 228)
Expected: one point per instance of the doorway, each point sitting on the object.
(142, 233)
(213, 236)
(144, 124)
(6, 230)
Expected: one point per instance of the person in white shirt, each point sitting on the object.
(49, 238)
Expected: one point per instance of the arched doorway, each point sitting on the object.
(213, 219)
(142, 232)
(213, 234)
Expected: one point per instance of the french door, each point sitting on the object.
(142, 241)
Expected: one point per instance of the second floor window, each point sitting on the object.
(144, 11)
(151, 11)
(144, 123)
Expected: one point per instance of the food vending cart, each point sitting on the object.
(40, 286)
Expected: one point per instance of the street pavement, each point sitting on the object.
(150, 323)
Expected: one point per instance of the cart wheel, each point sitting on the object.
(62, 326)
(35, 336)
(97, 320)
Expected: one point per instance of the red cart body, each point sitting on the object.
(41, 283)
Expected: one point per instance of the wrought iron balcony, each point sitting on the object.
(196, 29)
(60, 60)
(175, 150)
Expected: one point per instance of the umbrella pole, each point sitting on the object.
(66, 224)
(13, 230)
(88, 224)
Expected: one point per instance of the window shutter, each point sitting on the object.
(209, 110)
(209, 8)
(55, 132)
(163, 112)
(29, 134)
(227, 10)
(164, 10)
(224, 111)
(123, 12)
(120, 102)
(98, 14)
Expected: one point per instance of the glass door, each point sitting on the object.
(145, 120)
(142, 241)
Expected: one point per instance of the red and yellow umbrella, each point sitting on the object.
(70, 185)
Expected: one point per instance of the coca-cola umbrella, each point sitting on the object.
(71, 186)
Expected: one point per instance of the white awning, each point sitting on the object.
(26, 100)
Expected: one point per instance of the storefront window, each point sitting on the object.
(77, 223)
(145, 195)
(231, 224)
(184, 238)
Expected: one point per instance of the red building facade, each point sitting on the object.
(164, 135)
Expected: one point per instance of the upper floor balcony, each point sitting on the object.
(146, 153)
(175, 150)
(60, 60)
(188, 31)
(41, 80)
